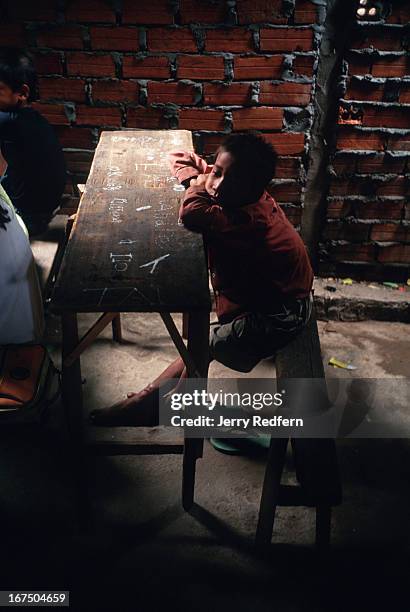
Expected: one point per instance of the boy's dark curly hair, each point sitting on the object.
(254, 155)
(17, 69)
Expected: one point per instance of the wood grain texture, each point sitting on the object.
(126, 251)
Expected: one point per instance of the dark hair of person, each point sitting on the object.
(17, 69)
(4, 217)
(253, 155)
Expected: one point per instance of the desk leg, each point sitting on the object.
(73, 406)
(198, 347)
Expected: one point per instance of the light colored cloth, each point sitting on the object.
(21, 307)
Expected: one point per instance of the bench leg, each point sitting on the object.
(72, 396)
(198, 347)
(116, 328)
(270, 491)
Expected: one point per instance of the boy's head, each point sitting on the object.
(18, 79)
(244, 165)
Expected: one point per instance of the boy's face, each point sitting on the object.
(10, 99)
(227, 183)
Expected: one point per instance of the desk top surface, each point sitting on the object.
(126, 251)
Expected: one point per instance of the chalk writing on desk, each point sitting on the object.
(116, 209)
(127, 241)
(129, 291)
(120, 262)
(154, 263)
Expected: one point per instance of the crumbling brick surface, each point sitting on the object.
(370, 162)
(214, 67)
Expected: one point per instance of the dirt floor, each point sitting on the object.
(143, 552)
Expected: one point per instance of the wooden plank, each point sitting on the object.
(135, 440)
(127, 252)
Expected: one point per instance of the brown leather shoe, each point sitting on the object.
(137, 410)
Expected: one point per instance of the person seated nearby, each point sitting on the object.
(260, 269)
(21, 307)
(35, 173)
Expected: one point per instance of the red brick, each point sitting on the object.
(345, 163)
(346, 187)
(303, 64)
(262, 118)
(235, 93)
(337, 209)
(353, 252)
(78, 162)
(199, 11)
(149, 67)
(76, 138)
(115, 91)
(156, 12)
(12, 35)
(48, 63)
(90, 11)
(92, 115)
(258, 67)
(404, 96)
(353, 232)
(286, 93)
(61, 37)
(379, 209)
(211, 142)
(179, 93)
(286, 39)
(380, 164)
(383, 39)
(201, 119)
(349, 138)
(260, 11)
(287, 167)
(359, 65)
(89, 64)
(305, 12)
(293, 213)
(171, 39)
(363, 90)
(397, 253)
(391, 66)
(399, 186)
(54, 113)
(237, 40)
(286, 143)
(285, 192)
(146, 118)
(27, 10)
(63, 89)
(398, 142)
(390, 232)
(400, 14)
(117, 38)
(201, 67)
(386, 117)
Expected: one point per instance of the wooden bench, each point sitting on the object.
(127, 253)
(315, 459)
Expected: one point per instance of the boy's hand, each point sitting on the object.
(198, 181)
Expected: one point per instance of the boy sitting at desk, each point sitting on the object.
(260, 269)
(30, 153)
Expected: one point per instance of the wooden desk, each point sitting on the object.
(127, 253)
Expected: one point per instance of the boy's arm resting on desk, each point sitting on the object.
(186, 165)
(199, 213)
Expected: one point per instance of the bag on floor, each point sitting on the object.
(29, 383)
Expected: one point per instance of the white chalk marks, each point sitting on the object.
(154, 263)
(142, 208)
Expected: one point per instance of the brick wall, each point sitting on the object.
(367, 229)
(223, 66)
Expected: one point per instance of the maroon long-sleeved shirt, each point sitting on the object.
(256, 257)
